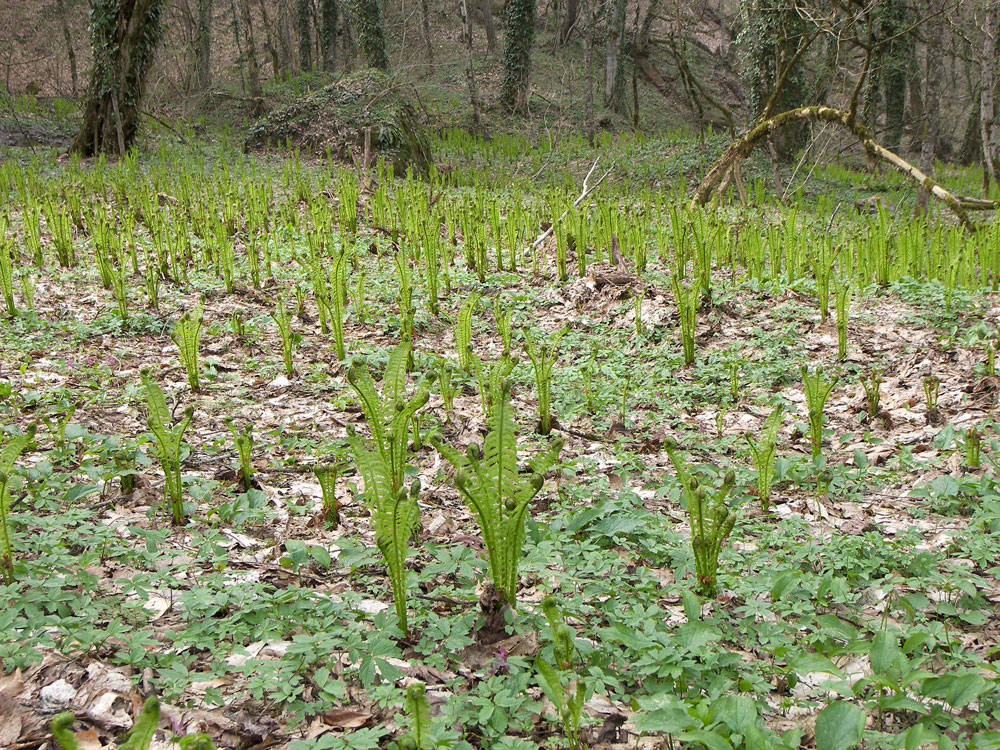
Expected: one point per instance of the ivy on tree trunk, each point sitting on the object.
(330, 17)
(371, 37)
(520, 23)
(124, 35)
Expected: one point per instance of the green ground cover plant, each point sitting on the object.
(370, 602)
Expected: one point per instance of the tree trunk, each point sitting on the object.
(253, 67)
(569, 20)
(933, 30)
(488, 25)
(469, 72)
(588, 89)
(124, 35)
(987, 102)
(743, 147)
(425, 22)
(371, 37)
(330, 14)
(520, 36)
(642, 43)
(305, 37)
(68, 37)
(614, 89)
(203, 45)
(284, 24)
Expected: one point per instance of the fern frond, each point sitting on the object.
(394, 382)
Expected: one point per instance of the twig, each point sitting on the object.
(586, 191)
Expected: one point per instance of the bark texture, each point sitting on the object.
(124, 35)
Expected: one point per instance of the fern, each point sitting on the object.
(382, 463)
(144, 728)
(168, 445)
(710, 518)
(490, 378)
(337, 292)
(568, 700)
(497, 493)
(503, 318)
(418, 711)
(463, 332)
(139, 737)
(326, 475)
(283, 319)
(8, 455)
(764, 454)
(243, 440)
(817, 390)
(6, 272)
(543, 357)
(187, 332)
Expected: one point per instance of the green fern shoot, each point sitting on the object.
(543, 358)
(187, 333)
(382, 463)
(463, 332)
(8, 455)
(168, 445)
(710, 518)
(817, 390)
(497, 493)
(764, 451)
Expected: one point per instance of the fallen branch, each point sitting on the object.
(743, 147)
(586, 191)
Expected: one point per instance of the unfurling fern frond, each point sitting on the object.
(764, 455)
(490, 379)
(418, 712)
(8, 455)
(710, 518)
(382, 463)
(168, 444)
(543, 357)
(497, 493)
(187, 332)
(503, 316)
(463, 332)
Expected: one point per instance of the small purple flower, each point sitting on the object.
(500, 665)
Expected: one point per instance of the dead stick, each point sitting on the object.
(586, 191)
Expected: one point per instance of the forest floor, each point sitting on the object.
(264, 625)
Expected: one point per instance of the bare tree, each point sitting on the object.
(68, 37)
(614, 81)
(987, 54)
(203, 45)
